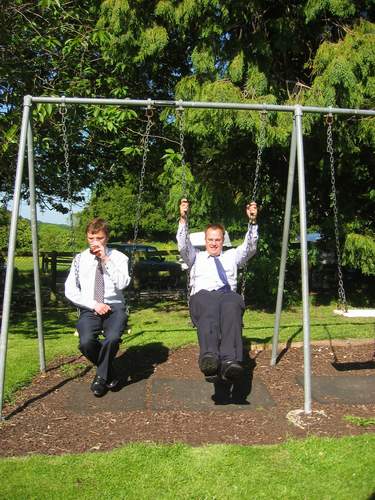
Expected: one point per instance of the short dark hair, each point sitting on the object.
(97, 225)
(215, 227)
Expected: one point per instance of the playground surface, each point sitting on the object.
(163, 398)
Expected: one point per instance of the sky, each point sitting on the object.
(50, 216)
(45, 216)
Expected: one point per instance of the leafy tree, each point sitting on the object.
(317, 52)
(23, 241)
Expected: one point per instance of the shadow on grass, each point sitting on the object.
(159, 304)
(57, 320)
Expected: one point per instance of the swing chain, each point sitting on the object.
(261, 144)
(180, 114)
(63, 112)
(258, 164)
(181, 126)
(138, 211)
(341, 291)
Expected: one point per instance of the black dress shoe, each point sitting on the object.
(209, 365)
(231, 370)
(99, 386)
(113, 384)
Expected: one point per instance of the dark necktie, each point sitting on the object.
(99, 283)
(222, 275)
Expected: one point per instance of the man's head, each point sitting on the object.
(214, 238)
(97, 231)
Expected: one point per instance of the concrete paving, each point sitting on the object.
(157, 394)
(167, 394)
(346, 389)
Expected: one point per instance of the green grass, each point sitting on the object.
(170, 322)
(310, 469)
(360, 421)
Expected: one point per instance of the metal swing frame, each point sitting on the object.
(296, 153)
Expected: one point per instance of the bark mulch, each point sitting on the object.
(164, 399)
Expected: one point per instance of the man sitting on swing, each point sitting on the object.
(95, 282)
(215, 307)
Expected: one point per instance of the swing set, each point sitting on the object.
(296, 156)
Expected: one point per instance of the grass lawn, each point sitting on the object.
(310, 469)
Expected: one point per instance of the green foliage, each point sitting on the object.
(256, 83)
(344, 70)
(152, 42)
(203, 61)
(55, 238)
(316, 52)
(172, 179)
(339, 8)
(23, 240)
(236, 68)
(359, 253)
(110, 118)
(52, 237)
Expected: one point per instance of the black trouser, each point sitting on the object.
(218, 318)
(101, 352)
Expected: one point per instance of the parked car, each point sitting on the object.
(150, 268)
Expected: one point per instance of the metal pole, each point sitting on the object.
(199, 105)
(304, 260)
(34, 234)
(284, 248)
(12, 247)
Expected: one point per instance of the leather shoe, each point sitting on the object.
(113, 384)
(99, 386)
(231, 370)
(209, 365)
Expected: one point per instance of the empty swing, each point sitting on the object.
(342, 308)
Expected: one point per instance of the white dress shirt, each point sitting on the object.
(115, 273)
(203, 270)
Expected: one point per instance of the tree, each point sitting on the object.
(23, 241)
(314, 52)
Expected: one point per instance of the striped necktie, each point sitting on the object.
(99, 283)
